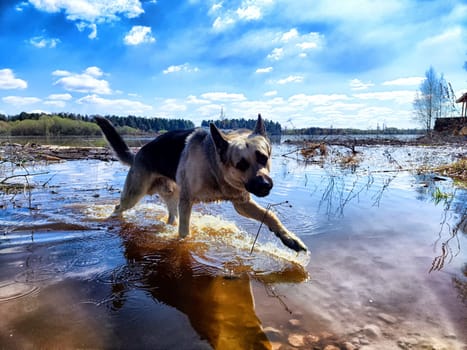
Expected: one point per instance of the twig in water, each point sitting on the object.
(50, 178)
(446, 250)
(272, 293)
(28, 187)
(21, 175)
(269, 206)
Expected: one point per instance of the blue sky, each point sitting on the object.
(354, 63)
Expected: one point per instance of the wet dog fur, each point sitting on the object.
(189, 166)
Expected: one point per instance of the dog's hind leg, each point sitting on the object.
(172, 208)
(168, 190)
(184, 208)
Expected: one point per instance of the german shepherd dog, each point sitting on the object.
(189, 166)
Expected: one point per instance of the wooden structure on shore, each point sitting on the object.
(463, 100)
(455, 125)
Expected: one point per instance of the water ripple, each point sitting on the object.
(37, 275)
(126, 274)
(12, 291)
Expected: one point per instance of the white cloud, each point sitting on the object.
(409, 81)
(105, 106)
(449, 35)
(20, 100)
(276, 54)
(270, 93)
(215, 8)
(291, 34)
(223, 96)
(211, 110)
(93, 33)
(39, 111)
(85, 82)
(171, 106)
(61, 73)
(249, 10)
(317, 99)
(21, 6)
(310, 41)
(8, 81)
(92, 26)
(139, 35)
(340, 105)
(41, 42)
(249, 13)
(94, 71)
(221, 23)
(292, 43)
(180, 68)
(458, 13)
(357, 84)
(91, 10)
(400, 96)
(307, 45)
(191, 99)
(264, 70)
(359, 11)
(61, 97)
(290, 79)
(55, 103)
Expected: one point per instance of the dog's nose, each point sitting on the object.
(259, 186)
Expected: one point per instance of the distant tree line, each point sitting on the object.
(67, 124)
(272, 128)
(150, 124)
(350, 131)
(48, 125)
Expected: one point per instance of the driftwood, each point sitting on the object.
(51, 153)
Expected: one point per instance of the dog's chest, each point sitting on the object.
(214, 192)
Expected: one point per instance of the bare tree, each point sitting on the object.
(431, 100)
(451, 105)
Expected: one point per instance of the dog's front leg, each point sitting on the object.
(251, 209)
(184, 209)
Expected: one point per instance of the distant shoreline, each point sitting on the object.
(94, 147)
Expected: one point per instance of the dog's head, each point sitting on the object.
(245, 157)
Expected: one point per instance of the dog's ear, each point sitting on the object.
(220, 142)
(259, 127)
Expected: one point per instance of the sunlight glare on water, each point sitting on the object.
(214, 231)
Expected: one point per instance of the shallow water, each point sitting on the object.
(71, 277)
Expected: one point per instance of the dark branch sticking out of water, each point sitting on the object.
(268, 207)
(447, 252)
(271, 292)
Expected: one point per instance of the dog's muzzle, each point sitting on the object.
(259, 186)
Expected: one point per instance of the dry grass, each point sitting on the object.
(311, 149)
(457, 170)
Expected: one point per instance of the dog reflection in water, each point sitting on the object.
(221, 310)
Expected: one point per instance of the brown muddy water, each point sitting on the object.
(386, 268)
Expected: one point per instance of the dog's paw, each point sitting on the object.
(293, 242)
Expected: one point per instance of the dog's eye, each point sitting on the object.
(261, 158)
(242, 165)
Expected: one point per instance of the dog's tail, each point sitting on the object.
(115, 140)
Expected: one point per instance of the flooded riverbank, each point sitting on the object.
(386, 269)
